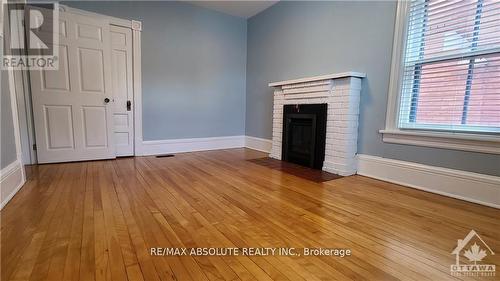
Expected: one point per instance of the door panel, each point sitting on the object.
(62, 28)
(122, 139)
(59, 127)
(92, 32)
(91, 69)
(58, 79)
(120, 71)
(72, 120)
(121, 121)
(121, 45)
(118, 37)
(95, 129)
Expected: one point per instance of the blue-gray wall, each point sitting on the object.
(193, 68)
(7, 138)
(300, 39)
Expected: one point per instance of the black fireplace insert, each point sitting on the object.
(304, 134)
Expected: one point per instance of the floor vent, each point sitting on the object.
(164, 155)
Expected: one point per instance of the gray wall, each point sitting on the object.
(7, 138)
(193, 68)
(299, 39)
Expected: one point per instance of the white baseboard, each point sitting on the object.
(201, 144)
(259, 144)
(189, 145)
(11, 180)
(468, 186)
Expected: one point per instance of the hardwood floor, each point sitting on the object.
(98, 221)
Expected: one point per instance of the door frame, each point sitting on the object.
(12, 169)
(27, 122)
(24, 110)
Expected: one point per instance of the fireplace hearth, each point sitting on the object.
(304, 133)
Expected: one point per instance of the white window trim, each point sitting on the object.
(486, 143)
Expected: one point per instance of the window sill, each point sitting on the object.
(447, 140)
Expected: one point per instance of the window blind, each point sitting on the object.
(451, 66)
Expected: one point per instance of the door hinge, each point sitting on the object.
(34, 146)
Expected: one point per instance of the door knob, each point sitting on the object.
(106, 100)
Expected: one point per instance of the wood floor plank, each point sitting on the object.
(19, 225)
(87, 250)
(99, 221)
(126, 178)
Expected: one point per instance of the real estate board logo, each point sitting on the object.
(32, 33)
(474, 250)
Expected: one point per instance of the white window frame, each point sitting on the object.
(477, 142)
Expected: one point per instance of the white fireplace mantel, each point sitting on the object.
(341, 92)
(322, 77)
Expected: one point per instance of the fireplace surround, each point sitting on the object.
(340, 93)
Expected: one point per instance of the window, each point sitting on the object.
(451, 71)
(445, 78)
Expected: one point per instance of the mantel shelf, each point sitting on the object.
(317, 78)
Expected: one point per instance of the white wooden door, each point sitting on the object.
(72, 114)
(123, 116)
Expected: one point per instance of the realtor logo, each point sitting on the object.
(33, 35)
(474, 249)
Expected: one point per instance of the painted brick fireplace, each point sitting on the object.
(341, 93)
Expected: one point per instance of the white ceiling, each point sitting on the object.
(243, 9)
